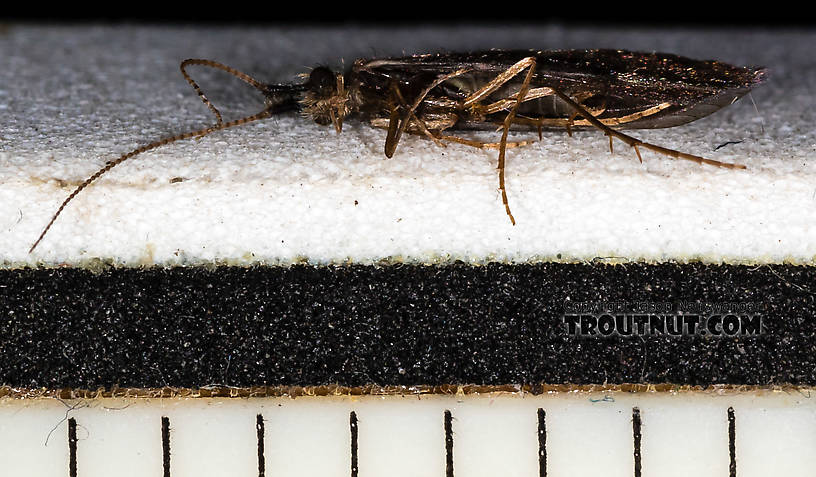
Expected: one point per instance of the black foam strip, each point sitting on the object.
(394, 325)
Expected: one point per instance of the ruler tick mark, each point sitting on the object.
(732, 445)
(165, 421)
(542, 443)
(259, 426)
(448, 444)
(636, 436)
(72, 447)
(353, 428)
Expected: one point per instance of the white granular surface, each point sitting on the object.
(287, 189)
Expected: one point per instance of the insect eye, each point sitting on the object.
(322, 81)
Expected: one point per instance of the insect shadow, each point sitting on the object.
(435, 95)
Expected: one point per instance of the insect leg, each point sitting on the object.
(485, 91)
(432, 128)
(497, 82)
(393, 138)
(425, 130)
(214, 64)
(483, 145)
(397, 122)
(535, 93)
(508, 120)
(636, 143)
(565, 122)
(505, 104)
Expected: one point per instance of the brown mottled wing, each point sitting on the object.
(621, 82)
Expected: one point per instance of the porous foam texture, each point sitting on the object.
(288, 190)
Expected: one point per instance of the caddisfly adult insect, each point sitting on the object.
(434, 95)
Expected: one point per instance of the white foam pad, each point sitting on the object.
(287, 189)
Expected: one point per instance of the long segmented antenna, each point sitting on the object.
(153, 145)
(220, 66)
(265, 113)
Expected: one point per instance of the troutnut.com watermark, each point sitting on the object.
(622, 318)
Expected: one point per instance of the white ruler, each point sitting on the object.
(758, 433)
